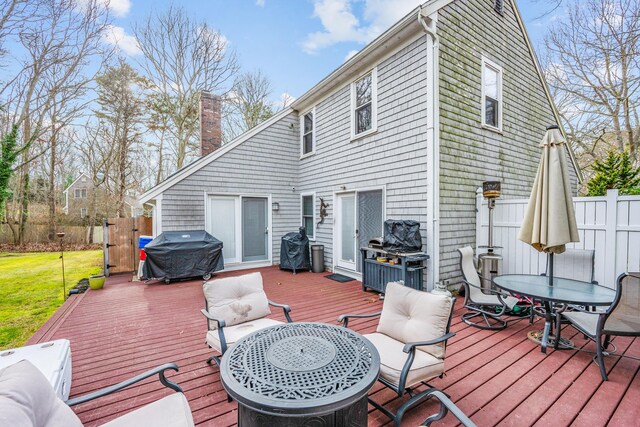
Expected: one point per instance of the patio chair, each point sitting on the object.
(576, 264)
(28, 399)
(480, 304)
(621, 318)
(235, 307)
(411, 338)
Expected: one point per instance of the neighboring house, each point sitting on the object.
(77, 198)
(450, 96)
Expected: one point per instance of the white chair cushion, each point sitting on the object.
(236, 299)
(409, 315)
(587, 321)
(172, 410)
(392, 359)
(28, 400)
(234, 333)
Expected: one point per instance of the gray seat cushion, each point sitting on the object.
(172, 410)
(585, 321)
(28, 400)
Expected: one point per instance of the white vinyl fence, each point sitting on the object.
(609, 224)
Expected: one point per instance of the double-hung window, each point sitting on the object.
(491, 95)
(80, 193)
(83, 212)
(364, 102)
(308, 133)
(308, 215)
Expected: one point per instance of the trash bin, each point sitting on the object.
(317, 258)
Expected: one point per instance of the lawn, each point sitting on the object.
(31, 289)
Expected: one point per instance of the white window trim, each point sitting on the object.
(486, 62)
(313, 134)
(313, 199)
(374, 105)
(83, 212)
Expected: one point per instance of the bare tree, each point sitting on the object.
(59, 40)
(183, 56)
(593, 68)
(247, 104)
(122, 105)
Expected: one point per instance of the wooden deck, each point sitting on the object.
(497, 378)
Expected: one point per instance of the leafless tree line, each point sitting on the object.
(80, 107)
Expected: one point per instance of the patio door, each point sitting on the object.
(223, 224)
(255, 231)
(242, 224)
(359, 217)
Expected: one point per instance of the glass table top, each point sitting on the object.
(563, 290)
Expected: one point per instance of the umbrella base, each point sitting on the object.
(564, 344)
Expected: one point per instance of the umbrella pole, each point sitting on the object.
(550, 255)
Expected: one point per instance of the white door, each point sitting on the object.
(223, 224)
(346, 237)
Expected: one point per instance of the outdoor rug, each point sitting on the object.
(339, 278)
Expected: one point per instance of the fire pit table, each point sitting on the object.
(300, 373)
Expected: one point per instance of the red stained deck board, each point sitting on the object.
(498, 377)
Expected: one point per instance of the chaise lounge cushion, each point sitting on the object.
(236, 299)
(234, 333)
(172, 410)
(409, 315)
(28, 400)
(392, 359)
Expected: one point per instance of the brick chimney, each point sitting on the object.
(210, 123)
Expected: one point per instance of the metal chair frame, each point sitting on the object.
(601, 330)
(492, 319)
(400, 389)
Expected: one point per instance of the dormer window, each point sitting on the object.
(364, 93)
(308, 133)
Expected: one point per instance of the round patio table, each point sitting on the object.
(301, 374)
(561, 290)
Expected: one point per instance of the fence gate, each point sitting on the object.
(121, 235)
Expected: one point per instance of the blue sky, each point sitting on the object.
(295, 42)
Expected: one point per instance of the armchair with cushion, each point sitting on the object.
(479, 303)
(622, 318)
(235, 307)
(411, 337)
(27, 399)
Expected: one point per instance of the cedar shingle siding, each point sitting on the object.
(470, 154)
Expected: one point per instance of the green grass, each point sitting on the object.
(31, 289)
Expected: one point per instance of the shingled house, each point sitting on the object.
(408, 128)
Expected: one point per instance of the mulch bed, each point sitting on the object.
(47, 247)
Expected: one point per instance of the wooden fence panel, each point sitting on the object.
(610, 225)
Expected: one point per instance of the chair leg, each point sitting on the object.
(600, 358)
(214, 359)
(607, 341)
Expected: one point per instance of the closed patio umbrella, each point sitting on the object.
(550, 221)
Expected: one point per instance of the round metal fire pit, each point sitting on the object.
(302, 371)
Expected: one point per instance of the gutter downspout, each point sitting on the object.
(433, 153)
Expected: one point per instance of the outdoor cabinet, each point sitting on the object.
(376, 275)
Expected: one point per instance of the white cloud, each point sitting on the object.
(342, 25)
(117, 36)
(119, 7)
(286, 99)
(350, 55)
(260, 3)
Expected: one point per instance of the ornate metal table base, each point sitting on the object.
(351, 416)
(564, 344)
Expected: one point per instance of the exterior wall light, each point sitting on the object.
(275, 206)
